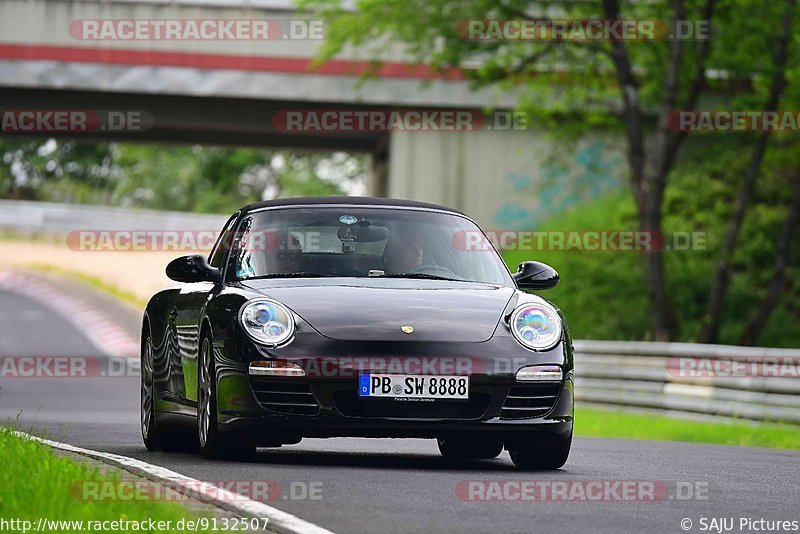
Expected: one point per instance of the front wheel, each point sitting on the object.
(540, 452)
(213, 443)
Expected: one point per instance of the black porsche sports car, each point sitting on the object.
(323, 317)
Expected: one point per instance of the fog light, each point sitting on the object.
(540, 373)
(275, 368)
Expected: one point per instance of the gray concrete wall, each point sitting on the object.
(504, 180)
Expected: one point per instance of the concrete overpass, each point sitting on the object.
(227, 91)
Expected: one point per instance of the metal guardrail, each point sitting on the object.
(56, 218)
(240, 4)
(706, 381)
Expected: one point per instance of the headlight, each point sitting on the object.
(536, 325)
(267, 322)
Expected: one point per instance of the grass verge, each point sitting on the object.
(94, 281)
(35, 483)
(611, 424)
(30, 237)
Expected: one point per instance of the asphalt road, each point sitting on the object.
(368, 485)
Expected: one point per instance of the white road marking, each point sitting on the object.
(220, 497)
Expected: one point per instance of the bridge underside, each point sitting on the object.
(501, 178)
(197, 120)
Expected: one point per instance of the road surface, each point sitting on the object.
(370, 485)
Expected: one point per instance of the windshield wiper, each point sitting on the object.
(287, 275)
(424, 276)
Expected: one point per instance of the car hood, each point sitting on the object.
(375, 309)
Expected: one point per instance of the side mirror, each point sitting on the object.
(192, 269)
(535, 275)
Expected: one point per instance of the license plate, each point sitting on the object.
(413, 386)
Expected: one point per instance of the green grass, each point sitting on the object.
(94, 281)
(7, 234)
(611, 424)
(35, 483)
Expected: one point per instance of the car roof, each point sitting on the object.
(347, 201)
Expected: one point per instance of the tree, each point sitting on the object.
(632, 85)
(721, 279)
(183, 178)
(777, 282)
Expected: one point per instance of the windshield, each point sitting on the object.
(361, 242)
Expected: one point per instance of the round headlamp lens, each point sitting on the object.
(536, 325)
(267, 322)
(262, 314)
(274, 329)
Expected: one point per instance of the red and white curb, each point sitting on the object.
(278, 520)
(105, 335)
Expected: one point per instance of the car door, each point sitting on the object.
(187, 312)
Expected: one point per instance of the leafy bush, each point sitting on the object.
(604, 293)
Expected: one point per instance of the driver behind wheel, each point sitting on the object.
(403, 254)
(288, 254)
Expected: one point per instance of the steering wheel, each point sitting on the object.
(436, 270)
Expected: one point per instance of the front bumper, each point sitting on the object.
(326, 403)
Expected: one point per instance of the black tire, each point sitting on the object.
(151, 434)
(213, 443)
(467, 447)
(540, 452)
(156, 435)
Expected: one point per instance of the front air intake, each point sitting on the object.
(293, 398)
(530, 401)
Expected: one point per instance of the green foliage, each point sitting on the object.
(26, 166)
(603, 293)
(183, 178)
(598, 290)
(35, 483)
(571, 84)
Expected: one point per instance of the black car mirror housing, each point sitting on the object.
(193, 268)
(535, 275)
